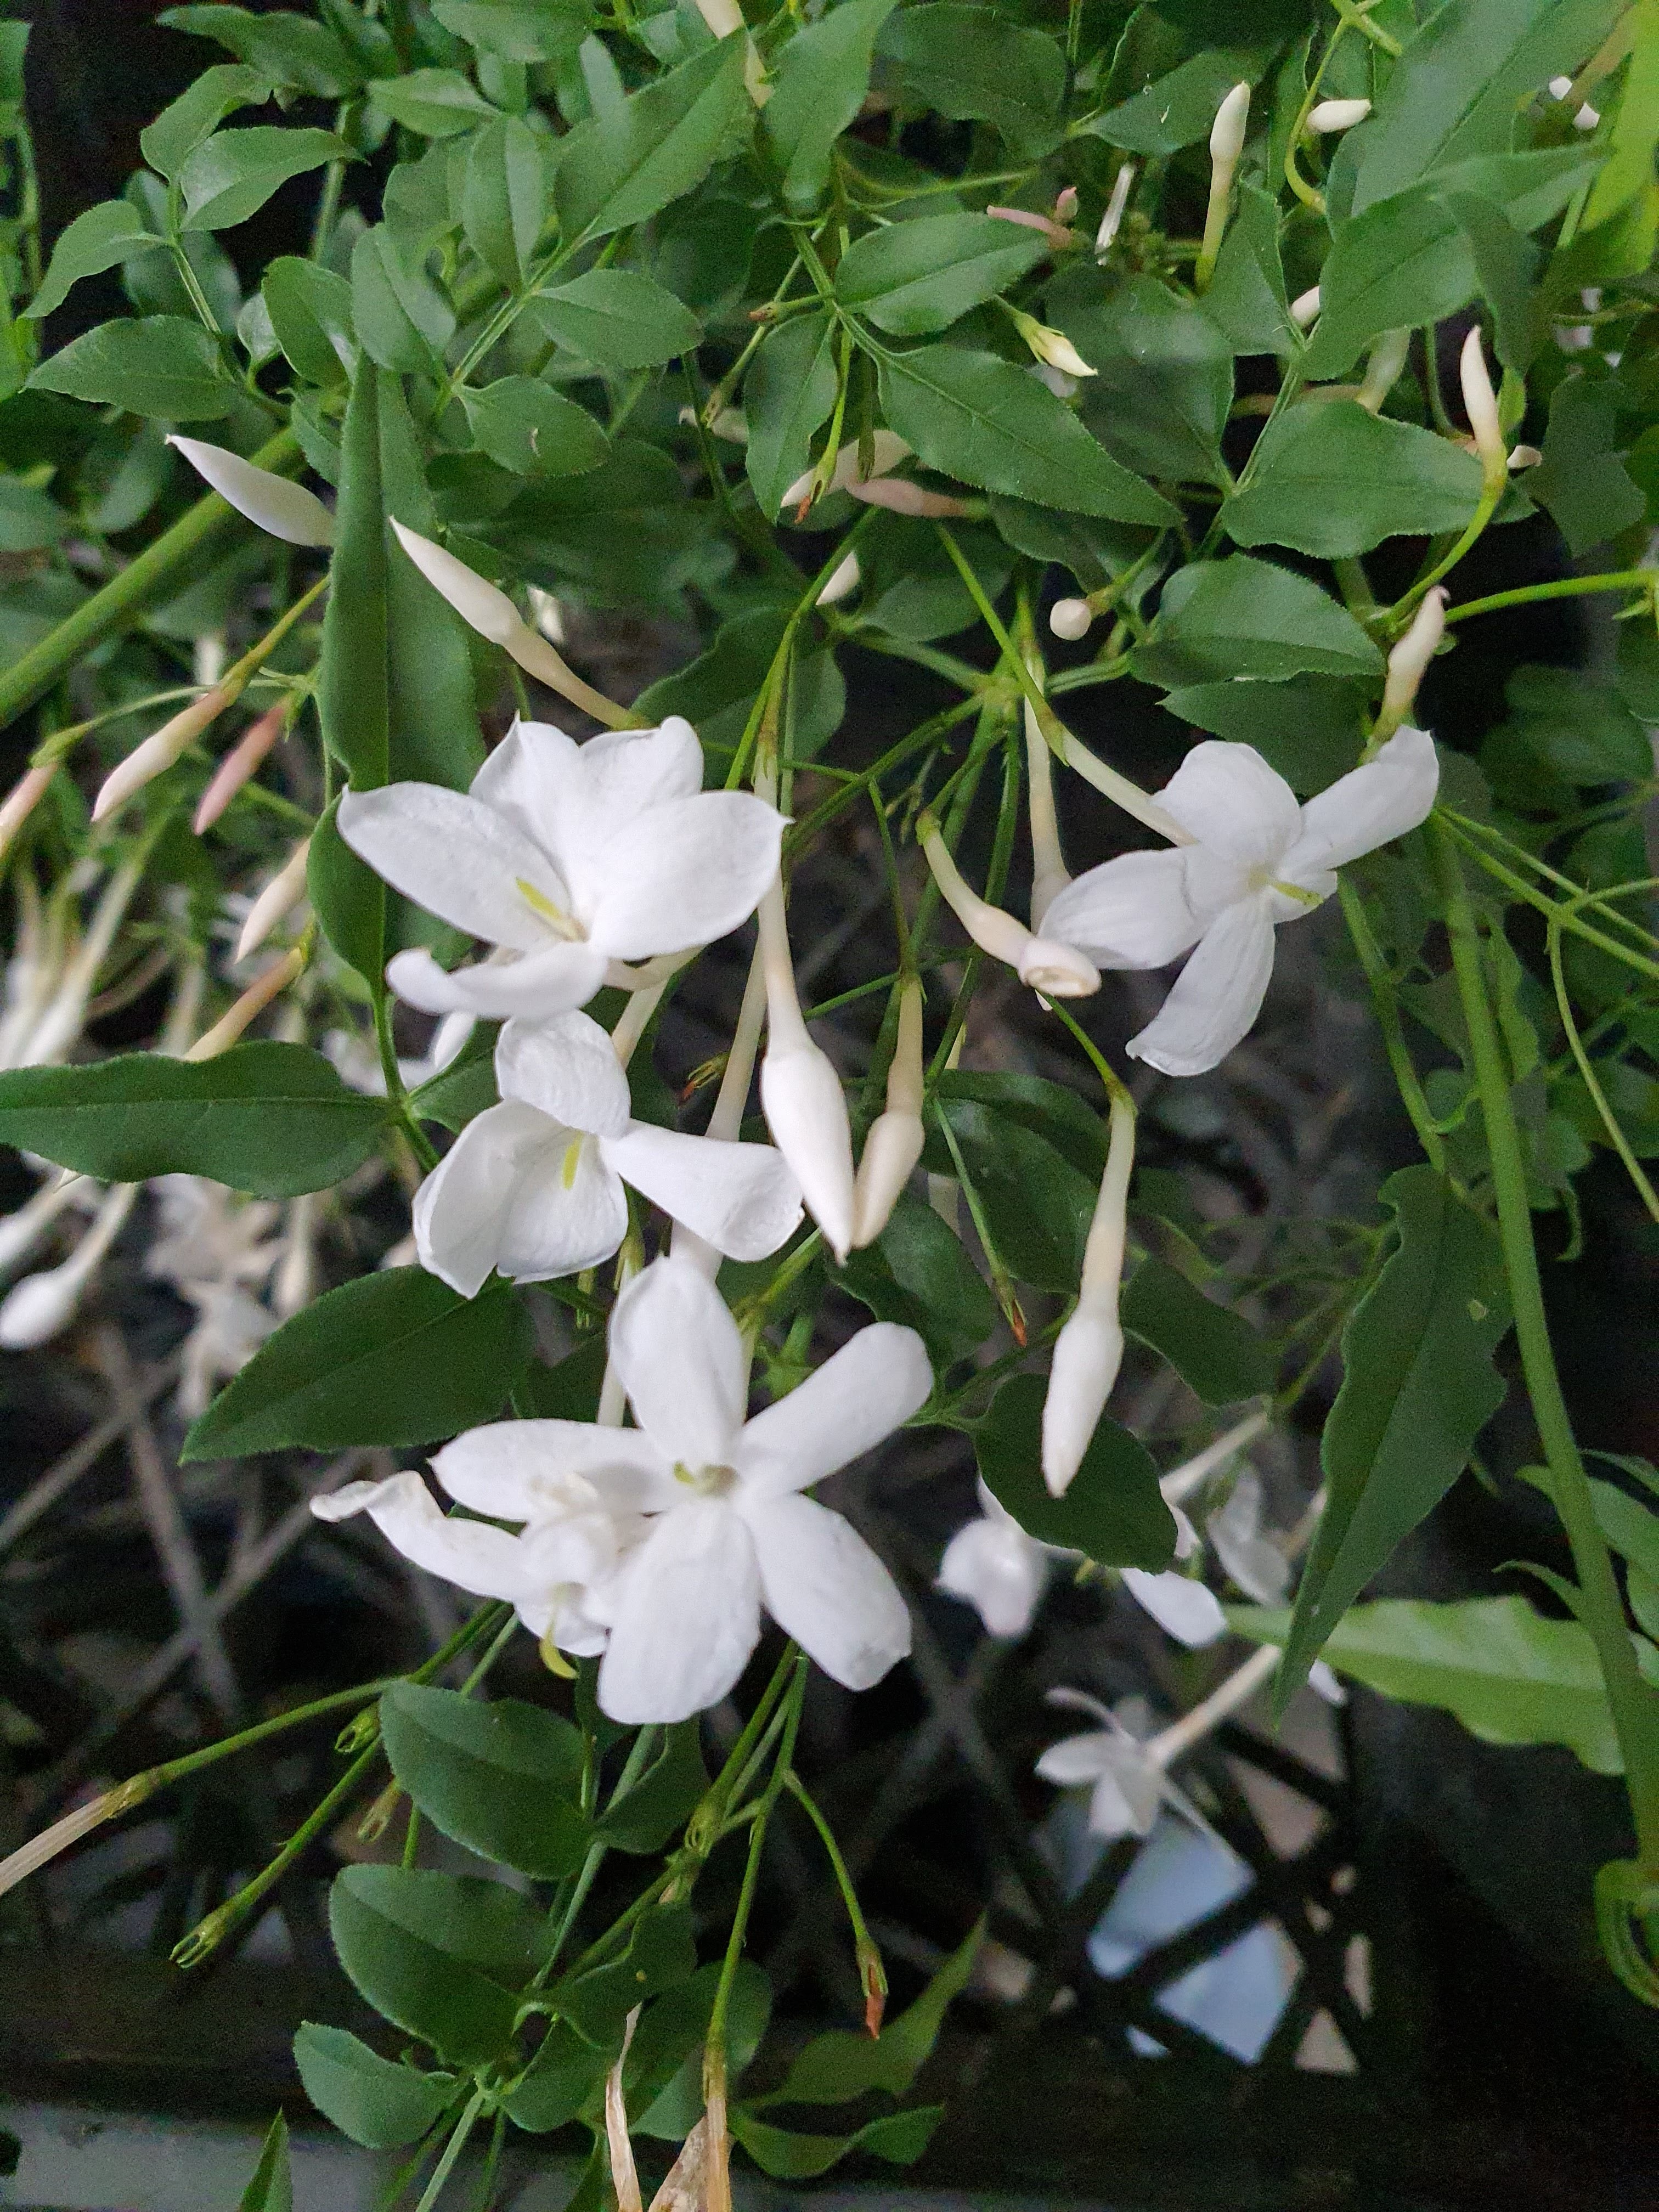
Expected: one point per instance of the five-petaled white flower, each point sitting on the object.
(994, 1565)
(569, 857)
(1126, 1778)
(1258, 859)
(534, 1186)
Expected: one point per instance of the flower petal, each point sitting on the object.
(569, 1213)
(686, 1615)
(1077, 1758)
(1365, 808)
(476, 1558)
(526, 1470)
(463, 1209)
(458, 859)
(741, 1199)
(542, 984)
(681, 1362)
(1217, 995)
(998, 1570)
(842, 1410)
(527, 779)
(683, 873)
(1183, 1608)
(824, 1586)
(1133, 912)
(1233, 802)
(568, 1066)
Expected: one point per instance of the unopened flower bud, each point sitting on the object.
(1408, 662)
(806, 1113)
(899, 496)
(1383, 369)
(1066, 203)
(22, 800)
(285, 510)
(894, 1144)
(162, 749)
(1480, 406)
(242, 762)
(842, 583)
(1056, 232)
(1052, 346)
(1071, 619)
(1305, 306)
(1227, 132)
(21, 1232)
(1089, 1350)
(252, 1002)
(286, 888)
(1337, 115)
(42, 1305)
(1523, 456)
(887, 450)
(1112, 222)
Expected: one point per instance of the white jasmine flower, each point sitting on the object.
(994, 1565)
(1126, 1782)
(568, 858)
(1257, 859)
(533, 1186)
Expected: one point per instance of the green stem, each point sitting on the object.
(119, 603)
(1635, 1710)
(453, 2150)
(715, 2040)
(1566, 587)
(869, 1955)
(1522, 890)
(1386, 999)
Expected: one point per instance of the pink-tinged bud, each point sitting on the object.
(1480, 406)
(899, 496)
(241, 761)
(1408, 662)
(160, 752)
(1331, 115)
(285, 510)
(1305, 306)
(1071, 619)
(1065, 204)
(1112, 222)
(286, 888)
(895, 1141)
(1056, 234)
(22, 800)
(1088, 1353)
(253, 1003)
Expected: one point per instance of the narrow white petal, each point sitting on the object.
(1133, 912)
(567, 1066)
(1217, 995)
(741, 1199)
(570, 1211)
(476, 1558)
(826, 1587)
(528, 778)
(285, 510)
(1181, 1607)
(681, 1362)
(686, 1615)
(806, 1113)
(1365, 808)
(529, 1470)
(1258, 1566)
(542, 984)
(683, 873)
(464, 1208)
(1111, 1813)
(843, 1409)
(1232, 801)
(457, 859)
(1077, 1758)
(996, 1567)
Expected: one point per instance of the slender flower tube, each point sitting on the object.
(801, 1096)
(253, 1003)
(1408, 663)
(727, 1119)
(1057, 233)
(624, 2174)
(1480, 406)
(1226, 144)
(1112, 222)
(284, 509)
(487, 610)
(1331, 115)
(1057, 970)
(1051, 347)
(240, 762)
(899, 496)
(286, 888)
(162, 748)
(42, 1305)
(64, 1015)
(22, 800)
(1049, 874)
(894, 1144)
(1089, 1350)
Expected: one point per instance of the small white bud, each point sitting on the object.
(1523, 456)
(844, 582)
(161, 751)
(1227, 132)
(282, 509)
(805, 1110)
(1305, 306)
(1408, 662)
(1480, 406)
(1071, 619)
(286, 888)
(1112, 222)
(22, 800)
(1088, 1353)
(1052, 347)
(894, 1144)
(1337, 115)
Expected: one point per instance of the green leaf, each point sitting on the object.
(1308, 728)
(616, 319)
(615, 171)
(975, 64)
(110, 233)
(271, 2189)
(1240, 616)
(1628, 170)
(200, 108)
(1164, 375)
(1630, 1527)
(158, 365)
(836, 2067)
(349, 899)
(231, 175)
(1178, 109)
(527, 427)
(29, 520)
(434, 735)
(503, 1778)
(717, 689)
(1113, 1511)
(972, 415)
(818, 87)
(310, 311)
(662, 2076)
(790, 388)
(1334, 480)
(518, 30)
(1581, 482)
(1564, 733)
(901, 2138)
(914, 278)
(1216, 1352)
(1506, 267)
(404, 320)
(661, 1952)
(1418, 1385)
(286, 48)
(395, 1357)
(1246, 299)
(273, 1119)
(440, 1955)
(917, 1274)
(437, 103)
(353, 703)
(1509, 1675)
(565, 2073)
(1454, 92)
(372, 2099)
(503, 194)
(658, 1802)
(456, 1096)
(1037, 1204)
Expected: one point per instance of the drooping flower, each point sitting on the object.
(993, 1565)
(1257, 859)
(533, 1186)
(1126, 1781)
(1251, 1559)
(568, 858)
